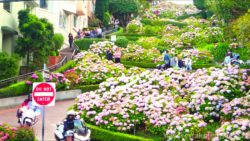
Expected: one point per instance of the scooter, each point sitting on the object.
(29, 116)
(79, 133)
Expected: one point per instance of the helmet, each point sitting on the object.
(71, 113)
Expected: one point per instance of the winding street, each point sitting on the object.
(53, 115)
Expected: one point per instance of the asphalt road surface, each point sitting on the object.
(53, 115)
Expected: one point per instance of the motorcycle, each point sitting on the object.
(29, 116)
(79, 133)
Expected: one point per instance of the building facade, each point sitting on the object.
(67, 17)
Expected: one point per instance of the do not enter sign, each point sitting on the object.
(43, 94)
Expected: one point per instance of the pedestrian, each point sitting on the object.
(109, 54)
(99, 32)
(117, 55)
(188, 63)
(180, 63)
(116, 23)
(79, 34)
(71, 39)
(174, 62)
(166, 60)
(227, 60)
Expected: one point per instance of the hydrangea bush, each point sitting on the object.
(174, 103)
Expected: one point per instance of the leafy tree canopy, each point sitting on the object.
(36, 39)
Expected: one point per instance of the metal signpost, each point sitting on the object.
(43, 94)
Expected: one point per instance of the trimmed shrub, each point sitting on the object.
(139, 64)
(16, 89)
(70, 64)
(133, 28)
(220, 51)
(152, 29)
(25, 134)
(106, 135)
(162, 22)
(8, 133)
(58, 42)
(121, 41)
(87, 88)
(84, 43)
(9, 65)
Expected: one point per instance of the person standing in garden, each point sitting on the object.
(71, 39)
(117, 55)
(166, 60)
(188, 63)
(109, 54)
(174, 62)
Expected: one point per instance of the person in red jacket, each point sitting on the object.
(25, 103)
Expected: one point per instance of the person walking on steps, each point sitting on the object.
(71, 39)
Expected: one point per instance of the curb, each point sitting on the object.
(15, 101)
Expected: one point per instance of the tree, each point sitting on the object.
(241, 29)
(200, 4)
(36, 39)
(102, 6)
(228, 9)
(123, 9)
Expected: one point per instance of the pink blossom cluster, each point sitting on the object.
(236, 130)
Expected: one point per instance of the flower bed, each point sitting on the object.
(91, 69)
(8, 133)
(171, 102)
(133, 53)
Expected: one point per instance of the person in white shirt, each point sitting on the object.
(188, 63)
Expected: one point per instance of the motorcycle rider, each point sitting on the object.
(25, 103)
(28, 104)
(69, 124)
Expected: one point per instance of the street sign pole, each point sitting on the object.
(43, 123)
(43, 94)
(44, 68)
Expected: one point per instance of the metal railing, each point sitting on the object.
(23, 77)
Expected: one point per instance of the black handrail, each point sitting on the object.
(65, 59)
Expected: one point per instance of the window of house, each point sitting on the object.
(43, 4)
(6, 6)
(75, 21)
(63, 20)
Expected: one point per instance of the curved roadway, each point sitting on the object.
(53, 115)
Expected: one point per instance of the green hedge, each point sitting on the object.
(88, 88)
(16, 89)
(106, 135)
(9, 65)
(199, 66)
(134, 36)
(162, 22)
(139, 64)
(84, 43)
(185, 16)
(70, 64)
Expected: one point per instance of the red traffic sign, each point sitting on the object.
(43, 94)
